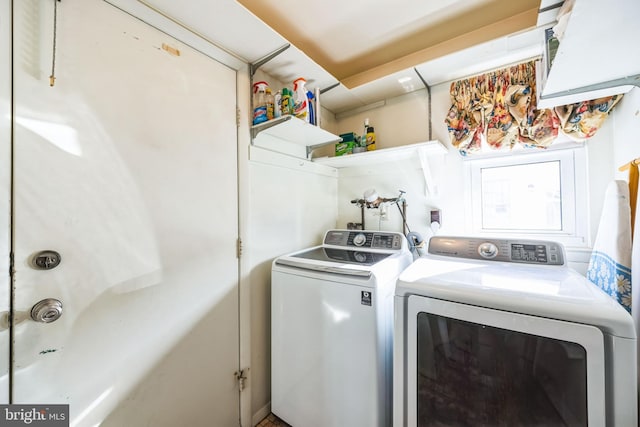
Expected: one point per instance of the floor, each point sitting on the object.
(272, 421)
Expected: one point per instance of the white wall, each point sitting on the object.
(289, 208)
(614, 145)
(403, 120)
(627, 131)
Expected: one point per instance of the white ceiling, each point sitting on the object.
(360, 27)
(230, 26)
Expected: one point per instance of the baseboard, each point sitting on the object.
(261, 414)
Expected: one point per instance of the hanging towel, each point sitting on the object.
(635, 252)
(610, 263)
(633, 195)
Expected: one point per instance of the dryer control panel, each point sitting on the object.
(521, 251)
(364, 239)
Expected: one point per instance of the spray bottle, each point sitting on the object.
(259, 102)
(300, 101)
(370, 136)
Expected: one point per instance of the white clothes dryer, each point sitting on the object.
(331, 330)
(493, 332)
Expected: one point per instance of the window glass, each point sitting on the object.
(525, 197)
(533, 195)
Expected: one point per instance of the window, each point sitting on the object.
(538, 195)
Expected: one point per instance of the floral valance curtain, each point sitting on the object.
(498, 110)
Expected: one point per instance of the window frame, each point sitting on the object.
(574, 187)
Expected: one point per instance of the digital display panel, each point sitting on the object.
(529, 253)
(382, 241)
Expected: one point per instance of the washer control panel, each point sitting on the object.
(364, 239)
(521, 251)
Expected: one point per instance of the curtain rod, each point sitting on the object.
(491, 70)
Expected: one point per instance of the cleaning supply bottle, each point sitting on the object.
(300, 101)
(259, 102)
(292, 107)
(270, 104)
(310, 100)
(363, 140)
(277, 105)
(371, 138)
(286, 102)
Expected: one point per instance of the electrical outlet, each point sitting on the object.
(436, 216)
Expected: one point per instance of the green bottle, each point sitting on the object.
(287, 102)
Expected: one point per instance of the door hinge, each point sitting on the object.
(241, 377)
(237, 117)
(239, 247)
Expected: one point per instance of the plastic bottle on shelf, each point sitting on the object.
(300, 101)
(310, 100)
(292, 107)
(286, 102)
(371, 138)
(259, 102)
(363, 140)
(277, 105)
(270, 101)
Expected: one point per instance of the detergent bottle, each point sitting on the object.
(270, 104)
(300, 101)
(259, 102)
(277, 105)
(286, 103)
(371, 138)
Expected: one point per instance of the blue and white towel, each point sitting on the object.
(635, 270)
(610, 263)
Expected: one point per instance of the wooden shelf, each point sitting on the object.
(384, 155)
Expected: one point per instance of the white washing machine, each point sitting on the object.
(331, 330)
(493, 332)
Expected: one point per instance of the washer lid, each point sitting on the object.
(547, 291)
(343, 256)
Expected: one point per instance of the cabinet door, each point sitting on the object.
(127, 169)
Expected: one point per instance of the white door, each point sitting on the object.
(5, 189)
(127, 167)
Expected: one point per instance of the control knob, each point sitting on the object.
(488, 250)
(359, 239)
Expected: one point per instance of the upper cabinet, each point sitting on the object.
(597, 56)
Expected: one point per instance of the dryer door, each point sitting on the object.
(468, 365)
